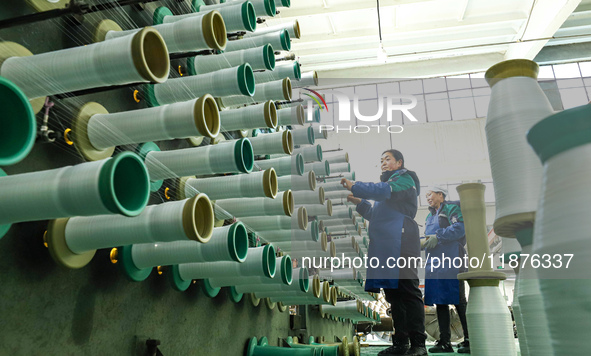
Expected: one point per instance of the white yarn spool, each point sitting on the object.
(562, 143)
(260, 262)
(346, 245)
(198, 117)
(282, 276)
(280, 40)
(317, 209)
(309, 234)
(291, 116)
(310, 154)
(298, 183)
(142, 57)
(338, 274)
(116, 185)
(340, 196)
(348, 175)
(339, 222)
(339, 212)
(252, 185)
(338, 158)
(332, 187)
(228, 243)
(303, 247)
(320, 168)
(519, 320)
(283, 204)
(232, 81)
(340, 167)
(300, 282)
(251, 117)
(489, 322)
(190, 219)
(261, 7)
(237, 17)
(346, 309)
(278, 90)
(293, 28)
(278, 142)
(291, 71)
(259, 58)
(516, 104)
(268, 223)
(303, 136)
(309, 197)
(308, 79)
(211, 159)
(189, 34)
(286, 166)
(319, 134)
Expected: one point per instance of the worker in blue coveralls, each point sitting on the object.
(446, 237)
(393, 233)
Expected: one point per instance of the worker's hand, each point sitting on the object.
(431, 242)
(353, 199)
(347, 184)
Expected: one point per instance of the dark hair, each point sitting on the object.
(397, 156)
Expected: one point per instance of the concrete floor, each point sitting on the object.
(49, 310)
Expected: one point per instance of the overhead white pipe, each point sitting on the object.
(252, 185)
(277, 90)
(259, 58)
(320, 168)
(267, 223)
(189, 34)
(280, 40)
(142, 57)
(308, 79)
(231, 81)
(278, 142)
(291, 71)
(310, 153)
(293, 28)
(283, 204)
(303, 197)
(298, 183)
(286, 166)
(303, 136)
(250, 117)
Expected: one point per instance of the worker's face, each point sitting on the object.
(434, 199)
(389, 163)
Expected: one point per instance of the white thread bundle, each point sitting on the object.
(308, 79)
(338, 274)
(340, 212)
(346, 245)
(320, 168)
(224, 245)
(231, 81)
(278, 90)
(278, 278)
(309, 234)
(286, 166)
(516, 104)
(185, 35)
(245, 207)
(339, 222)
(340, 168)
(333, 187)
(535, 324)
(489, 322)
(310, 154)
(205, 160)
(259, 58)
(337, 195)
(291, 71)
(519, 321)
(271, 143)
(348, 175)
(316, 209)
(157, 223)
(299, 274)
(271, 223)
(293, 28)
(154, 124)
(291, 116)
(76, 191)
(303, 136)
(236, 17)
(305, 248)
(560, 228)
(298, 183)
(91, 66)
(338, 158)
(280, 40)
(252, 185)
(303, 197)
(251, 267)
(251, 117)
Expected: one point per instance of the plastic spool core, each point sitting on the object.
(206, 111)
(269, 57)
(150, 55)
(327, 167)
(299, 161)
(312, 181)
(285, 40)
(287, 90)
(286, 270)
(198, 218)
(302, 218)
(287, 140)
(269, 262)
(329, 207)
(300, 114)
(288, 203)
(296, 30)
(19, 127)
(249, 18)
(239, 238)
(270, 7)
(319, 153)
(333, 248)
(321, 195)
(270, 185)
(271, 114)
(244, 155)
(214, 30)
(124, 184)
(246, 80)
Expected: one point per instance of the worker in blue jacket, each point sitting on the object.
(446, 238)
(393, 233)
